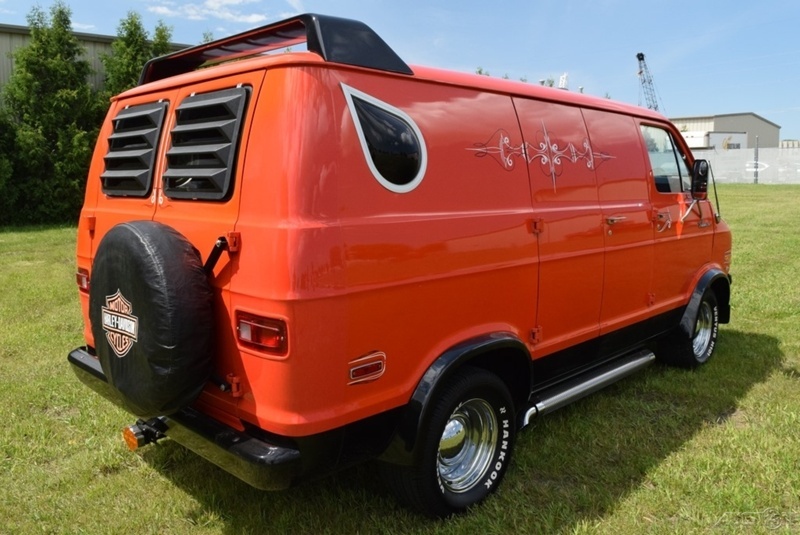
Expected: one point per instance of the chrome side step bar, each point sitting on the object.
(561, 395)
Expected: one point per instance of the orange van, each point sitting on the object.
(290, 261)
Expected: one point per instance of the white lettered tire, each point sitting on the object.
(466, 446)
(678, 349)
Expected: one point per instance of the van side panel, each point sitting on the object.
(362, 270)
(627, 219)
(454, 258)
(288, 267)
(561, 161)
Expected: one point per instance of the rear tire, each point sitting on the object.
(465, 448)
(677, 349)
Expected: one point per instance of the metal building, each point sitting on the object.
(13, 37)
(739, 130)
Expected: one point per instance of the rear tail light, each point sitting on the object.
(82, 278)
(264, 334)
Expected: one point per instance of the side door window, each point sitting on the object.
(670, 170)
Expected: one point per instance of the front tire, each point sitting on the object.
(465, 448)
(678, 349)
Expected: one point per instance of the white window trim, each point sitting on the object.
(349, 93)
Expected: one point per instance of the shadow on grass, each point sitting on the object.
(572, 466)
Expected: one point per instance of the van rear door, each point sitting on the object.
(123, 177)
(125, 168)
(199, 190)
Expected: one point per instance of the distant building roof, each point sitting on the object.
(24, 30)
(720, 116)
(90, 37)
(12, 37)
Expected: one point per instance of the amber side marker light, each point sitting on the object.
(82, 278)
(264, 334)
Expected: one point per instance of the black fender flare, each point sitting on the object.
(403, 447)
(721, 283)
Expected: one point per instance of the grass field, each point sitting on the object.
(666, 451)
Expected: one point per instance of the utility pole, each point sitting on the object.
(755, 173)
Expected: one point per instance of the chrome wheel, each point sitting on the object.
(703, 329)
(692, 348)
(467, 445)
(463, 448)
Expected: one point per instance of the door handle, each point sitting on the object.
(663, 221)
(613, 220)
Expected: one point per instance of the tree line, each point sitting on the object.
(50, 115)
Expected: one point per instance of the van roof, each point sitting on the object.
(524, 89)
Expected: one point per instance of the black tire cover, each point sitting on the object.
(151, 310)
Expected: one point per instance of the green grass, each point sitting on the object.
(666, 451)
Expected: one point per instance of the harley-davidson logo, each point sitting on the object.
(120, 325)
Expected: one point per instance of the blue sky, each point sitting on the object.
(705, 57)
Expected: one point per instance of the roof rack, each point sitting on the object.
(335, 39)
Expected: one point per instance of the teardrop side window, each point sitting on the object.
(392, 143)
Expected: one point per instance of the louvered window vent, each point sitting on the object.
(201, 161)
(132, 149)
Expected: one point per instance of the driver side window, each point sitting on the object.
(670, 170)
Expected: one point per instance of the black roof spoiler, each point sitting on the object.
(335, 39)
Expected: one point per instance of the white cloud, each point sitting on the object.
(297, 5)
(163, 11)
(225, 10)
(219, 3)
(83, 27)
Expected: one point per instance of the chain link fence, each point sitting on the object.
(769, 166)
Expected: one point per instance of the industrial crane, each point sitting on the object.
(648, 87)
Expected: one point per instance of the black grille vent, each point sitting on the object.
(132, 150)
(201, 161)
